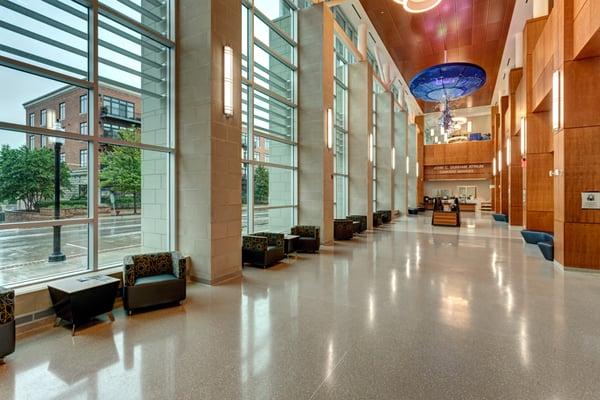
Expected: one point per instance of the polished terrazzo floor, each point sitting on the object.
(406, 312)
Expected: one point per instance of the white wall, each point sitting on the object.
(483, 187)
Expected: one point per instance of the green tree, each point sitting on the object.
(121, 167)
(27, 175)
(261, 185)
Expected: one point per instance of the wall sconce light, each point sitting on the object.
(371, 147)
(407, 165)
(499, 161)
(329, 128)
(523, 138)
(508, 152)
(393, 158)
(469, 126)
(556, 100)
(417, 169)
(494, 167)
(228, 81)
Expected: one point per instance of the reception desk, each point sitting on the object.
(445, 218)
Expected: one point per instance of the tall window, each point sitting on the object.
(377, 88)
(342, 57)
(83, 158)
(116, 200)
(62, 111)
(83, 104)
(31, 119)
(269, 166)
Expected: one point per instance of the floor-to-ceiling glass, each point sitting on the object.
(269, 166)
(94, 116)
(342, 57)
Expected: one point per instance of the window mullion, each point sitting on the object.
(93, 166)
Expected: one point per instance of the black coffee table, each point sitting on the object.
(289, 244)
(78, 300)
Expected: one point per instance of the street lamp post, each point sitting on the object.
(57, 255)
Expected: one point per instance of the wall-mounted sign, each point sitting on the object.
(458, 171)
(590, 200)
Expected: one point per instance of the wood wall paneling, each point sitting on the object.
(586, 29)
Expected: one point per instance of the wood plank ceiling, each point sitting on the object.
(471, 30)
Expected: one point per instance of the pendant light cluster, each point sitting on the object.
(418, 6)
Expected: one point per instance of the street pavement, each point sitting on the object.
(24, 252)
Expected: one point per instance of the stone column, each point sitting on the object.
(315, 96)
(400, 177)
(385, 142)
(208, 143)
(360, 121)
(154, 111)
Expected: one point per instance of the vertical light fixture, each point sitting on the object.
(417, 170)
(508, 152)
(432, 132)
(494, 167)
(371, 147)
(523, 138)
(228, 81)
(469, 126)
(329, 128)
(407, 165)
(393, 158)
(556, 100)
(499, 161)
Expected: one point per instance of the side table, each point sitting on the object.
(77, 300)
(289, 244)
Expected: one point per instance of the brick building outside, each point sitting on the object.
(69, 105)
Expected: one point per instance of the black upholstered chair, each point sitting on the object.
(377, 219)
(153, 279)
(309, 240)
(343, 229)
(263, 248)
(362, 219)
(386, 216)
(7, 322)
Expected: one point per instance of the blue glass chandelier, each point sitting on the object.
(446, 82)
(449, 81)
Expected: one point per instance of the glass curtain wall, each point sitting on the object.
(269, 166)
(377, 88)
(95, 116)
(342, 57)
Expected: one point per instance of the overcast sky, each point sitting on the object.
(18, 87)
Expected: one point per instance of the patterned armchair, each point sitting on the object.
(362, 219)
(263, 248)
(343, 229)
(153, 279)
(310, 239)
(7, 323)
